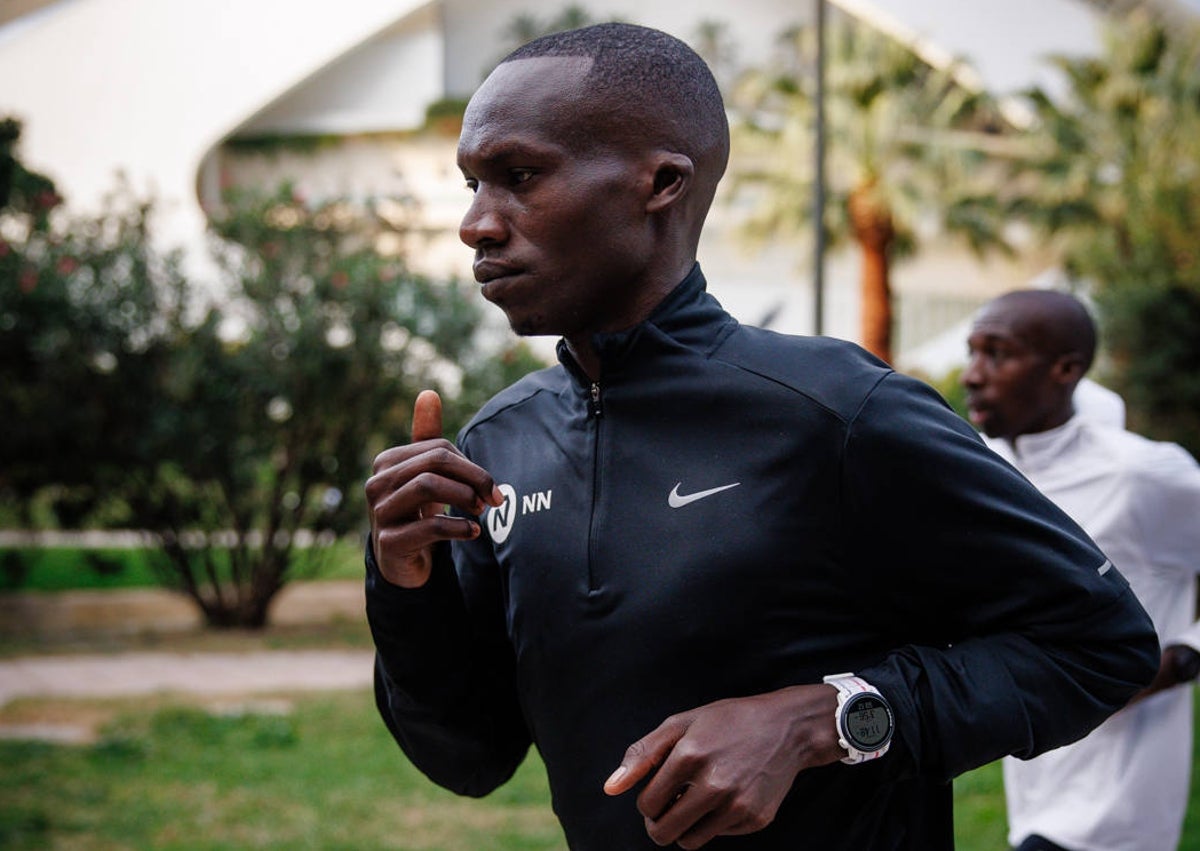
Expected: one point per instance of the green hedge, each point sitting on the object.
(73, 568)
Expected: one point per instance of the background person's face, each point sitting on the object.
(1010, 387)
(558, 222)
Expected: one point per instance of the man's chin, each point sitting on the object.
(527, 326)
(983, 421)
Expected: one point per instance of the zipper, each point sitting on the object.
(595, 410)
(594, 407)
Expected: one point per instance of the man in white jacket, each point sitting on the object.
(1125, 786)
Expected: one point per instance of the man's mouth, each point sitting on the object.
(491, 270)
(976, 412)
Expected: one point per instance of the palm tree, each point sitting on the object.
(907, 140)
(1113, 182)
(1109, 151)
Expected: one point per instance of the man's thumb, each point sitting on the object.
(427, 416)
(641, 758)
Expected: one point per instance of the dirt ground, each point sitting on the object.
(70, 614)
(80, 656)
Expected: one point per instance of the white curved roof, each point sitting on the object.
(147, 87)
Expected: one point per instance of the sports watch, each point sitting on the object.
(864, 719)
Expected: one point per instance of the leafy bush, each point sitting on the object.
(228, 426)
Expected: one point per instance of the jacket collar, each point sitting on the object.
(689, 316)
(1042, 449)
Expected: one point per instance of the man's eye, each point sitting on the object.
(472, 184)
(520, 175)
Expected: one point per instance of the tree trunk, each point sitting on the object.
(225, 604)
(251, 613)
(876, 302)
(871, 218)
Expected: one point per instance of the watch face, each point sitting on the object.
(868, 722)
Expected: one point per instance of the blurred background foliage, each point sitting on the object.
(238, 421)
(236, 424)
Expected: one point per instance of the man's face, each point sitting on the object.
(1011, 389)
(558, 221)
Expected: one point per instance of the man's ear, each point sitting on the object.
(673, 173)
(1069, 368)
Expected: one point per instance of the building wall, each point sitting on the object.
(146, 88)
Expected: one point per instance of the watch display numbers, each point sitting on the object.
(869, 722)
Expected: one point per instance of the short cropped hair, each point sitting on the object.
(650, 76)
(1057, 323)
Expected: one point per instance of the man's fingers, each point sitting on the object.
(410, 539)
(409, 491)
(641, 758)
(427, 426)
(400, 495)
(427, 416)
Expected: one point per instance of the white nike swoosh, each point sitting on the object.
(678, 500)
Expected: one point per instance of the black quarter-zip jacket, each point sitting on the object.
(727, 512)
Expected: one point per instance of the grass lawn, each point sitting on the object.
(166, 773)
(73, 568)
(324, 775)
(979, 823)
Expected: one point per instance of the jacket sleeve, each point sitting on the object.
(1164, 504)
(444, 679)
(1028, 637)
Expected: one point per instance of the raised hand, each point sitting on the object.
(409, 491)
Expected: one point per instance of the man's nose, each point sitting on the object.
(972, 374)
(483, 222)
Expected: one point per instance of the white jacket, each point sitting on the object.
(1125, 786)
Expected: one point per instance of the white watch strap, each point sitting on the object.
(849, 685)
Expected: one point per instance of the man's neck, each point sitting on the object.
(585, 356)
(582, 348)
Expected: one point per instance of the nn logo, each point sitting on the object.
(502, 518)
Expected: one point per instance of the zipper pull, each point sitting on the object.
(594, 408)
